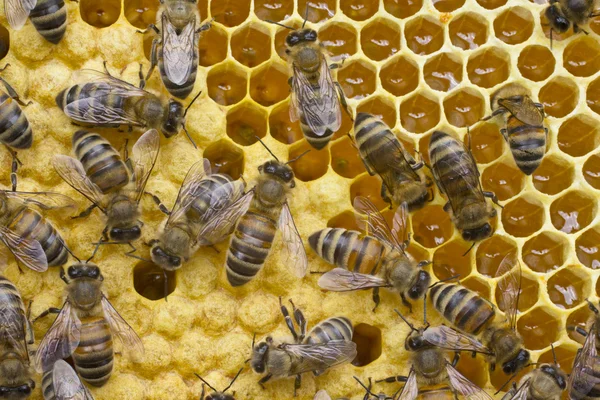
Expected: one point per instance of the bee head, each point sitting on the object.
(517, 363)
(17, 392)
(260, 353)
(301, 36)
(84, 270)
(219, 396)
(420, 286)
(555, 373)
(512, 102)
(175, 118)
(479, 233)
(124, 234)
(556, 18)
(414, 341)
(279, 170)
(165, 260)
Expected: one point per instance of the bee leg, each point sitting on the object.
(51, 310)
(300, 320)
(376, 298)
(159, 203)
(343, 100)
(205, 27)
(385, 195)
(202, 394)
(264, 379)
(62, 276)
(406, 303)
(288, 320)
(392, 379)
(504, 134)
(150, 27)
(448, 207)
(106, 71)
(577, 329)
(85, 212)
(424, 263)
(30, 334)
(499, 111)
(456, 358)
(492, 196)
(14, 167)
(297, 384)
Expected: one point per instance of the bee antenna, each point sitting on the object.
(6, 66)
(305, 15)
(553, 353)
(209, 385)
(445, 280)
(63, 242)
(279, 24)
(265, 146)
(233, 380)
(297, 158)
(425, 312)
(363, 385)
(167, 293)
(189, 137)
(253, 339)
(191, 102)
(506, 383)
(405, 320)
(467, 252)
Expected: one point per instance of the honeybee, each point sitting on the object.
(524, 125)
(369, 395)
(102, 177)
(457, 176)
(203, 214)
(176, 52)
(327, 345)
(365, 262)
(472, 314)
(106, 101)
(383, 154)
(583, 381)
(216, 395)
(62, 383)
(561, 14)
(262, 210)
(15, 335)
(49, 17)
(85, 328)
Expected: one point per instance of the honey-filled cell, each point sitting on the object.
(212, 46)
(203, 9)
(559, 96)
(443, 72)
(419, 113)
(468, 31)
(345, 160)
(591, 170)
(573, 211)
(539, 328)
(140, 13)
(587, 248)
(4, 42)
(227, 84)
(477, 285)
(424, 35)
(562, 355)
(153, 282)
(568, 287)
(318, 11)
(578, 135)
(593, 95)
(498, 378)
(225, 158)
(339, 39)
(432, 226)
(100, 14)
(273, 10)
(381, 107)
(491, 252)
(269, 84)
(578, 318)
(230, 12)
(447, 6)
(251, 44)
(281, 127)
(528, 297)
(417, 252)
(581, 57)
(357, 79)
(545, 252)
(487, 143)
(554, 175)
(399, 76)
(488, 67)
(536, 63)
(359, 10)
(402, 8)
(310, 166)
(464, 107)
(504, 179)
(345, 220)
(514, 25)
(491, 4)
(548, 31)
(523, 216)
(424, 148)
(451, 260)
(369, 187)
(245, 123)
(380, 39)
(594, 25)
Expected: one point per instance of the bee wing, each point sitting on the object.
(144, 154)
(342, 280)
(178, 51)
(527, 112)
(17, 12)
(188, 190)
(397, 163)
(66, 383)
(582, 378)
(447, 338)
(322, 395)
(121, 329)
(12, 328)
(222, 223)
(73, 173)
(376, 225)
(295, 254)
(27, 251)
(464, 386)
(44, 200)
(60, 341)
(106, 84)
(320, 356)
(510, 286)
(522, 392)
(410, 391)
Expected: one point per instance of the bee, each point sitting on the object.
(62, 383)
(524, 125)
(583, 381)
(176, 51)
(263, 209)
(106, 101)
(216, 395)
(49, 17)
(457, 176)
(470, 313)
(365, 262)
(85, 328)
(327, 345)
(102, 177)
(561, 14)
(369, 395)
(15, 334)
(203, 214)
(383, 154)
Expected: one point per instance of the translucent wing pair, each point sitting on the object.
(523, 109)
(319, 356)
(13, 325)
(178, 50)
(17, 12)
(66, 383)
(583, 379)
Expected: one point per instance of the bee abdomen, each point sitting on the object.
(50, 19)
(318, 142)
(15, 130)
(94, 356)
(249, 248)
(48, 385)
(462, 307)
(11, 303)
(211, 190)
(181, 90)
(369, 133)
(336, 328)
(527, 144)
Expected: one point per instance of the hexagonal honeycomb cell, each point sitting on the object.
(273, 10)
(357, 78)
(569, 287)
(359, 10)
(310, 166)
(251, 44)
(554, 175)
(443, 72)
(281, 127)
(231, 12)
(451, 260)
(503, 179)
(399, 76)
(402, 8)
(380, 39)
(593, 95)
(225, 158)
(530, 289)
(424, 35)
(151, 282)
(369, 187)
(345, 160)
(381, 107)
(486, 142)
(432, 226)
(559, 96)
(539, 327)
(573, 211)
(580, 56)
(591, 170)
(346, 220)
(339, 39)
(468, 31)
(545, 252)
(523, 216)
(269, 84)
(514, 25)
(245, 122)
(586, 248)
(578, 135)
(419, 113)
(317, 11)
(227, 84)
(464, 107)
(100, 14)
(368, 343)
(140, 13)
(488, 67)
(212, 46)
(536, 63)
(491, 252)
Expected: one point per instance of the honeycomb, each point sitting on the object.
(419, 65)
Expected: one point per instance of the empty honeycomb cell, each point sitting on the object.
(581, 57)
(569, 287)
(4, 42)
(368, 344)
(504, 179)
(273, 10)
(578, 135)
(318, 11)
(417, 252)
(449, 261)
(345, 220)
(447, 6)
(554, 175)
(443, 72)
(559, 96)
(464, 107)
(586, 248)
(424, 35)
(536, 63)
(311, 165)
(514, 25)
(269, 84)
(432, 226)
(251, 44)
(579, 317)
(488, 67)
(359, 10)
(402, 8)
(523, 216)
(591, 170)
(357, 79)
(491, 4)
(380, 39)
(345, 159)
(468, 31)
(381, 107)
(281, 127)
(227, 84)
(369, 187)
(564, 357)
(399, 76)
(491, 252)
(539, 327)
(212, 46)
(477, 285)
(245, 123)
(140, 13)
(545, 252)
(225, 158)
(486, 142)
(573, 211)
(100, 13)
(339, 39)
(474, 369)
(419, 113)
(592, 94)
(230, 12)
(153, 282)
(529, 294)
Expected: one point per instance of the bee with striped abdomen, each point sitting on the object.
(62, 383)
(85, 328)
(371, 262)
(328, 344)
(383, 154)
(15, 334)
(263, 210)
(49, 17)
(202, 215)
(524, 129)
(217, 395)
(457, 176)
(102, 177)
